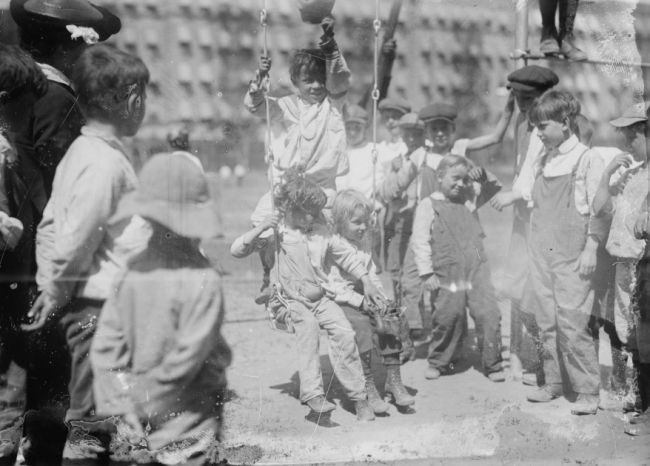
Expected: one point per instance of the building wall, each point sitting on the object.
(202, 54)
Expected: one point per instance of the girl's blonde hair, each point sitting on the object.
(346, 203)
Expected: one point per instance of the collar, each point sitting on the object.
(53, 74)
(568, 145)
(100, 132)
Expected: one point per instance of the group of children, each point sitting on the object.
(419, 191)
(122, 278)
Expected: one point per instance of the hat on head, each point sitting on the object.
(173, 191)
(634, 114)
(62, 13)
(394, 103)
(532, 78)
(438, 111)
(411, 121)
(356, 113)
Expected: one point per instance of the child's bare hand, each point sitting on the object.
(264, 65)
(327, 24)
(132, 429)
(478, 174)
(587, 262)
(270, 222)
(371, 293)
(502, 200)
(432, 283)
(621, 160)
(43, 309)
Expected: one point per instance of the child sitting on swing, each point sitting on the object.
(306, 247)
(308, 130)
(351, 215)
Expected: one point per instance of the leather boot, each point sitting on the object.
(377, 404)
(408, 349)
(395, 387)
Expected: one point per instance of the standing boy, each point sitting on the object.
(78, 252)
(448, 248)
(563, 246)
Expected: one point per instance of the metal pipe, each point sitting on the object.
(521, 30)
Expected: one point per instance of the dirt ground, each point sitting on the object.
(457, 419)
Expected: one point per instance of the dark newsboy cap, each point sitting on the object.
(438, 111)
(532, 78)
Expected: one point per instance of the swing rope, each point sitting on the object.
(375, 100)
(265, 83)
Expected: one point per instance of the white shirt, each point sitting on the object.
(563, 160)
(360, 175)
(78, 251)
(523, 183)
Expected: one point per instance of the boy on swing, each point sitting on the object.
(308, 130)
(307, 252)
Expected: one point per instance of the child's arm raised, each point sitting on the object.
(254, 99)
(249, 242)
(337, 79)
(398, 179)
(496, 136)
(601, 203)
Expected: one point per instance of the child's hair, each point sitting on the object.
(555, 105)
(314, 62)
(346, 203)
(105, 74)
(449, 161)
(19, 72)
(297, 190)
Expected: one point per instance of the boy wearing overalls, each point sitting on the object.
(563, 249)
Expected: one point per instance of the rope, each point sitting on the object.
(265, 83)
(375, 100)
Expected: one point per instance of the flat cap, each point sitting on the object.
(532, 78)
(633, 114)
(439, 111)
(411, 121)
(394, 103)
(356, 113)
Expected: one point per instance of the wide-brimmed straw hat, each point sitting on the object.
(173, 191)
(62, 13)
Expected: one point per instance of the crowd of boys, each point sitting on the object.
(114, 312)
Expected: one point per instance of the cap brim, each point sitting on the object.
(622, 122)
(356, 120)
(392, 107)
(430, 119)
(192, 221)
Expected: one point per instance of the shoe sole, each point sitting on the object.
(394, 400)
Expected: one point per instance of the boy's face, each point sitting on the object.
(413, 138)
(454, 183)
(300, 219)
(389, 118)
(553, 133)
(525, 99)
(355, 132)
(634, 140)
(354, 229)
(311, 89)
(440, 132)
